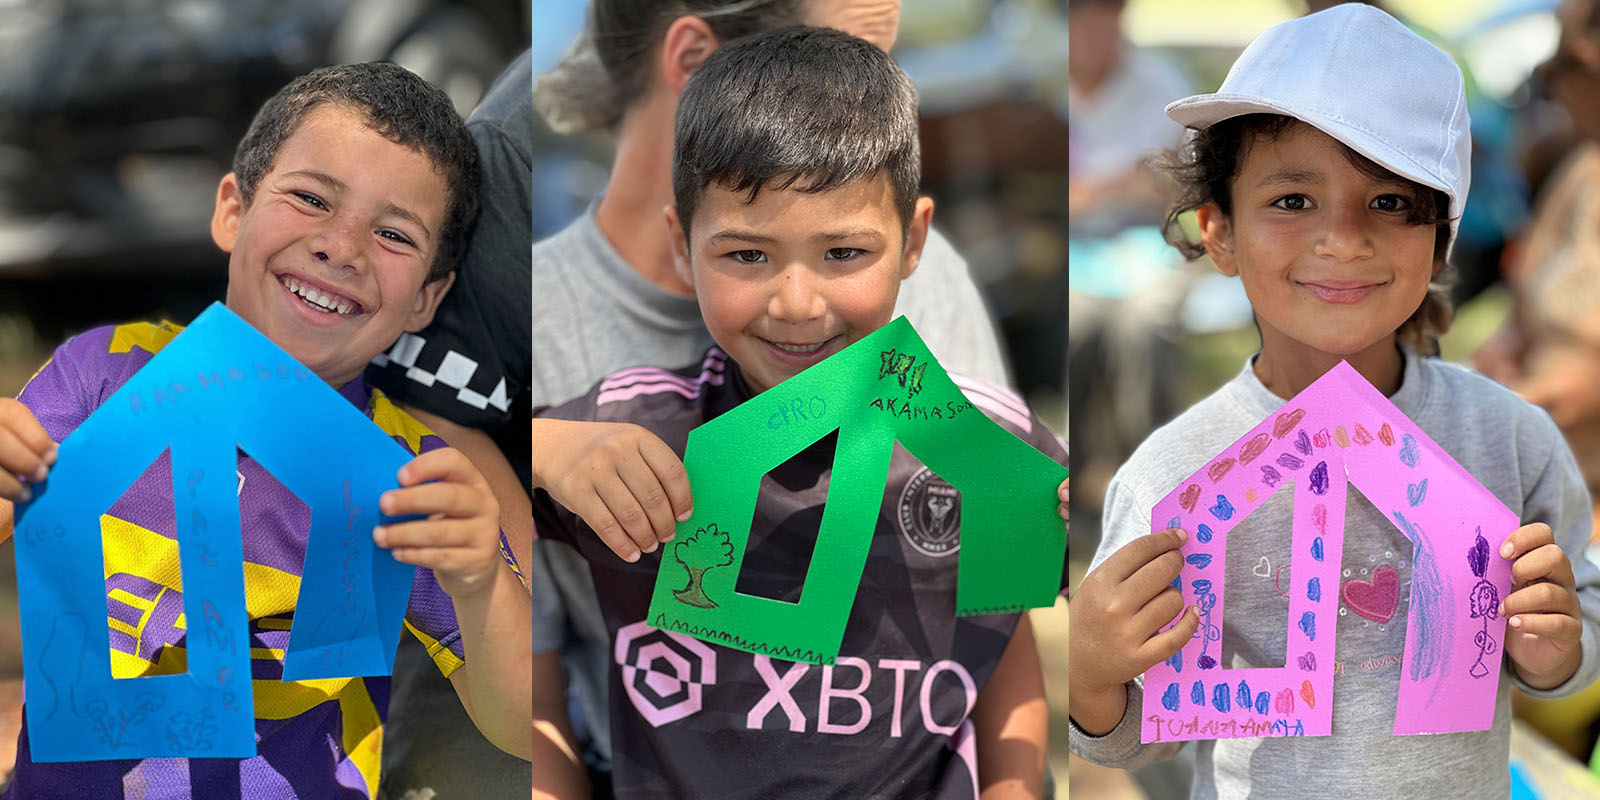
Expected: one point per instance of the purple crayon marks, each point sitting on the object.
(1484, 604)
(1270, 476)
(1308, 661)
(1288, 461)
(1319, 478)
(1302, 442)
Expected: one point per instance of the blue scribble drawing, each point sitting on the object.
(1223, 510)
(1203, 533)
(1314, 590)
(1408, 450)
(1207, 632)
(1199, 560)
(1220, 699)
(1197, 694)
(1169, 698)
(1484, 602)
(188, 732)
(1429, 606)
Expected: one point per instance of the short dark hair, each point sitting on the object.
(1209, 160)
(400, 106)
(806, 108)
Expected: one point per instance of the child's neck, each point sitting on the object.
(1286, 367)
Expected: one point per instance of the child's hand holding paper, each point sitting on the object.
(459, 537)
(26, 451)
(1542, 608)
(619, 478)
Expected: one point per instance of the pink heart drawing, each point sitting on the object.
(1376, 600)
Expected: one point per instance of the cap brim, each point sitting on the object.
(1204, 110)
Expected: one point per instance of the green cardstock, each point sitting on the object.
(884, 388)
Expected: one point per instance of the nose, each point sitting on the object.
(797, 296)
(1347, 236)
(339, 244)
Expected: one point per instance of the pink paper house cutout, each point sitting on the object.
(1339, 430)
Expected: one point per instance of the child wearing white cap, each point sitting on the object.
(1328, 173)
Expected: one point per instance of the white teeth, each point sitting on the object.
(319, 300)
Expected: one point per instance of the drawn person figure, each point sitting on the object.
(1328, 173)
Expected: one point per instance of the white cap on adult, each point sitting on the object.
(1357, 74)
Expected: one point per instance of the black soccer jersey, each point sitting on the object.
(890, 718)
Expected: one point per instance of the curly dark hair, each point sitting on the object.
(403, 108)
(1206, 164)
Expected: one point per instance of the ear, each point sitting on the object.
(1216, 233)
(427, 302)
(680, 246)
(916, 236)
(689, 40)
(225, 215)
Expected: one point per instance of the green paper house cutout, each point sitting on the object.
(883, 389)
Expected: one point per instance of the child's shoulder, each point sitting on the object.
(1464, 409)
(655, 397)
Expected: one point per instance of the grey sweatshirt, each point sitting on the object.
(1512, 448)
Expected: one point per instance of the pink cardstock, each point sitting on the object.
(1339, 428)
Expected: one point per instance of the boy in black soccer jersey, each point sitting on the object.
(795, 177)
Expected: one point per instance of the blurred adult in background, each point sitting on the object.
(1116, 97)
(1126, 287)
(606, 295)
(1549, 348)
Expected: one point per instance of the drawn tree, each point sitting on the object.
(708, 548)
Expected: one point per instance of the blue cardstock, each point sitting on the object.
(216, 387)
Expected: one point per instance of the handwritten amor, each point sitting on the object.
(1339, 431)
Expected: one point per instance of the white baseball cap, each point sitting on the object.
(1360, 76)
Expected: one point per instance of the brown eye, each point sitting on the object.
(1293, 202)
(748, 256)
(1392, 203)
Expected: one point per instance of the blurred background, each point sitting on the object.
(1150, 334)
(117, 119)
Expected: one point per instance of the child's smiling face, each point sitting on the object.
(1327, 256)
(329, 257)
(794, 277)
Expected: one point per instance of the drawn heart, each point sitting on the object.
(1319, 518)
(1416, 492)
(1169, 698)
(1302, 442)
(1288, 461)
(1408, 450)
(1262, 569)
(1254, 448)
(1197, 694)
(1321, 439)
(1319, 478)
(1316, 548)
(1362, 437)
(1307, 695)
(1341, 436)
(1203, 533)
(1286, 422)
(1190, 496)
(1172, 524)
(1276, 577)
(1270, 476)
(1219, 468)
(1376, 600)
(1284, 702)
(1386, 435)
(1199, 560)
(1308, 662)
(1223, 510)
(1308, 625)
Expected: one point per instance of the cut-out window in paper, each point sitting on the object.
(776, 559)
(217, 387)
(1339, 431)
(883, 389)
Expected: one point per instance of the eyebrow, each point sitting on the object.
(1290, 176)
(752, 237)
(339, 186)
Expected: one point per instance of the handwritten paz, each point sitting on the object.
(883, 389)
(1340, 430)
(217, 387)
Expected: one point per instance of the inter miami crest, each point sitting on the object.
(930, 514)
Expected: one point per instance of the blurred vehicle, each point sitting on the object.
(117, 117)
